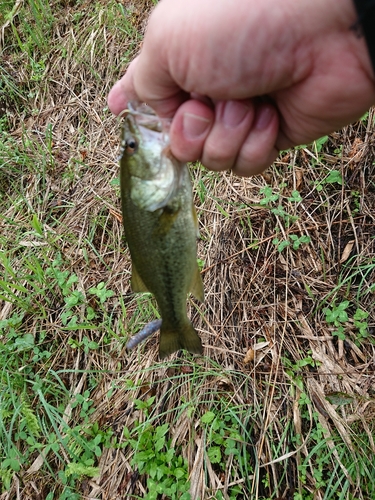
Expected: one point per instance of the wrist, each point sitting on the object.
(331, 27)
(365, 25)
(351, 23)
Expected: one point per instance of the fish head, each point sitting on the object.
(142, 144)
(146, 161)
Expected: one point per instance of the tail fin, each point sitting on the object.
(172, 339)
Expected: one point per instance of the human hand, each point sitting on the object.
(243, 81)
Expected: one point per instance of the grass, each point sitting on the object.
(282, 404)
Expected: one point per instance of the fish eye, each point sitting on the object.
(131, 146)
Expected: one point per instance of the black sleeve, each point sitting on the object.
(366, 21)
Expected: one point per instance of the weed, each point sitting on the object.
(361, 324)
(284, 217)
(337, 315)
(223, 440)
(294, 240)
(295, 197)
(165, 468)
(334, 177)
(268, 196)
(101, 292)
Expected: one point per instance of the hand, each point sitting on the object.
(243, 81)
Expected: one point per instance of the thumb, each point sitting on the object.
(123, 91)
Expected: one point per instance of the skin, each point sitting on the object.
(243, 83)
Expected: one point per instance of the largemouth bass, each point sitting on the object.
(161, 227)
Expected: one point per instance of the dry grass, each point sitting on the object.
(270, 354)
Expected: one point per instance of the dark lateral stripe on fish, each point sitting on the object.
(147, 331)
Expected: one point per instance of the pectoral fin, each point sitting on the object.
(196, 286)
(166, 221)
(137, 282)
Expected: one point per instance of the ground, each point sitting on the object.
(281, 405)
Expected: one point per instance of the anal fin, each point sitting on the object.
(196, 285)
(137, 282)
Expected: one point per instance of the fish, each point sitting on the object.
(161, 226)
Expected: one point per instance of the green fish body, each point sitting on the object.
(160, 228)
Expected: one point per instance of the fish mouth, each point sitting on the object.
(141, 122)
(145, 116)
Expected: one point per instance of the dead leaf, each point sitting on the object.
(347, 250)
(249, 356)
(36, 465)
(25, 243)
(357, 150)
(186, 369)
(267, 177)
(299, 178)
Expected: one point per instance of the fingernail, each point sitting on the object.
(263, 118)
(234, 113)
(195, 126)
